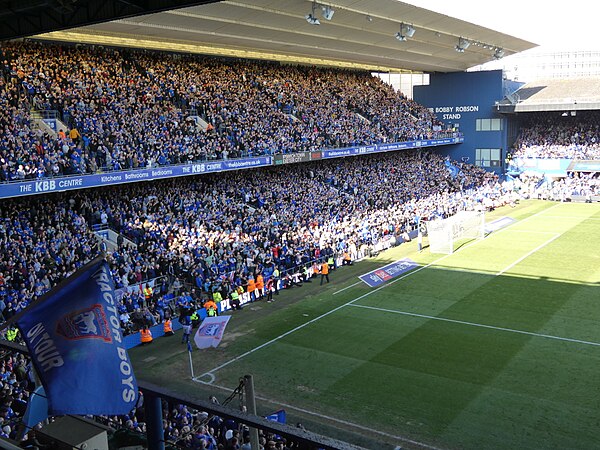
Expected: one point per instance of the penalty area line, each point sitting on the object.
(480, 325)
(539, 247)
(582, 218)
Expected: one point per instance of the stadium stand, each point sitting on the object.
(213, 233)
(116, 109)
(555, 135)
(124, 109)
(579, 188)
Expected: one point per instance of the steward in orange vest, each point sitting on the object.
(324, 272)
(251, 289)
(260, 285)
(145, 336)
(347, 261)
(168, 328)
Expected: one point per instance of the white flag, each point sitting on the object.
(211, 331)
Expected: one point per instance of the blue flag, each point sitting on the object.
(277, 416)
(37, 408)
(74, 338)
(452, 169)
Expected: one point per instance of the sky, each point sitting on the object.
(552, 25)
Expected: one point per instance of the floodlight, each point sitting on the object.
(409, 30)
(312, 19)
(327, 12)
(462, 45)
(499, 53)
(406, 31)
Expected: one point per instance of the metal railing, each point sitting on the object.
(154, 395)
(44, 114)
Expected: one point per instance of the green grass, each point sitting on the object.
(443, 380)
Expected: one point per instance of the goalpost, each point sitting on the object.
(443, 233)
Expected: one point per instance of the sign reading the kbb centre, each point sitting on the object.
(46, 185)
(386, 273)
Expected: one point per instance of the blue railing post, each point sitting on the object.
(154, 423)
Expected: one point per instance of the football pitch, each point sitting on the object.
(496, 346)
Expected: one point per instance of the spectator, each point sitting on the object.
(251, 108)
(552, 135)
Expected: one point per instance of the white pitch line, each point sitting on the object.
(299, 327)
(347, 287)
(556, 236)
(480, 325)
(412, 272)
(533, 231)
(574, 217)
(330, 418)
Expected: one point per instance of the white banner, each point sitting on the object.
(211, 331)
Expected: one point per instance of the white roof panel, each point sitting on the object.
(360, 34)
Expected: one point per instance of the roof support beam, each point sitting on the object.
(29, 17)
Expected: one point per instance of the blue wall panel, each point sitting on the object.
(459, 99)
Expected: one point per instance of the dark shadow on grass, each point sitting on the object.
(433, 372)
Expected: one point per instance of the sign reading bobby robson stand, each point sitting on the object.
(385, 273)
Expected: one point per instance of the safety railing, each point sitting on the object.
(154, 396)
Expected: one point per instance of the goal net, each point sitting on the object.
(443, 233)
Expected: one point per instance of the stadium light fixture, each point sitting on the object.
(406, 31)
(400, 36)
(498, 53)
(462, 45)
(310, 18)
(327, 12)
(409, 30)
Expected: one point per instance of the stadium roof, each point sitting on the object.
(571, 94)
(361, 34)
(23, 18)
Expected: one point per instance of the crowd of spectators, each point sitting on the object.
(221, 231)
(579, 186)
(187, 428)
(126, 109)
(556, 135)
(212, 235)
